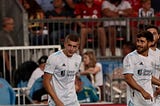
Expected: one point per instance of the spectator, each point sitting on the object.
(145, 12)
(37, 37)
(34, 12)
(84, 94)
(38, 92)
(71, 4)
(58, 29)
(115, 9)
(93, 70)
(6, 41)
(89, 10)
(24, 72)
(38, 72)
(135, 4)
(46, 5)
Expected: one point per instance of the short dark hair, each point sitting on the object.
(152, 26)
(72, 37)
(146, 34)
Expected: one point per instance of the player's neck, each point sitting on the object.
(145, 54)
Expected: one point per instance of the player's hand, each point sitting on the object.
(146, 95)
(157, 92)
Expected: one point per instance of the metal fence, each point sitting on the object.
(117, 30)
(20, 54)
(41, 38)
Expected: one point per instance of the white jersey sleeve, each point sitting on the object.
(128, 65)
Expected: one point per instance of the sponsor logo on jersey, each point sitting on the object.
(144, 72)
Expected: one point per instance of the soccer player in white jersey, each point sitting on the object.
(155, 52)
(138, 71)
(60, 71)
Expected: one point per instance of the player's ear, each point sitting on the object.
(158, 36)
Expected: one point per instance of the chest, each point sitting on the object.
(67, 68)
(143, 67)
(92, 12)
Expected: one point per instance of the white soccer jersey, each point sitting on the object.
(63, 69)
(142, 69)
(156, 56)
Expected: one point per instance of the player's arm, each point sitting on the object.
(132, 83)
(156, 81)
(47, 85)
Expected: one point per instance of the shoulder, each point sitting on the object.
(106, 4)
(55, 55)
(151, 9)
(157, 50)
(131, 56)
(99, 64)
(154, 53)
(77, 57)
(125, 2)
(140, 9)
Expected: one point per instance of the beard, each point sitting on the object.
(141, 50)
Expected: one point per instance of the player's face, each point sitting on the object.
(155, 35)
(142, 45)
(71, 47)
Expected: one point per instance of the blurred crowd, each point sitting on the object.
(106, 33)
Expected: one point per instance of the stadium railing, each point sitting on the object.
(19, 54)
